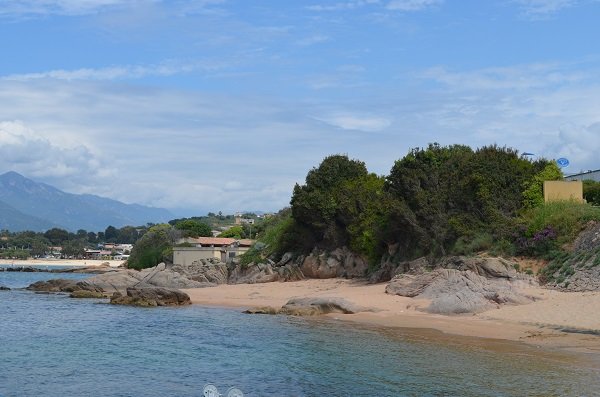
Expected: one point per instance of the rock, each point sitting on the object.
(263, 310)
(204, 271)
(338, 263)
(253, 274)
(389, 269)
(487, 267)
(319, 305)
(290, 272)
(453, 291)
(151, 297)
(87, 294)
(56, 285)
(3, 288)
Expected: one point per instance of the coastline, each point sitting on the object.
(541, 323)
(59, 262)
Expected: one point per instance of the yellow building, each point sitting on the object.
(563, 191)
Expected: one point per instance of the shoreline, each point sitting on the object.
(540, 324)
(59, 262)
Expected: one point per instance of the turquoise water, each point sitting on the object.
(51, 345)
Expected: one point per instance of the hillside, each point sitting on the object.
(37, 206)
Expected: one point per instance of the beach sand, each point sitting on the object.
(540, 323)
(59, 262)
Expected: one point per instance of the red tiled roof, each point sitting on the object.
(206, 241)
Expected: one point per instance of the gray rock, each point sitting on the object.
(310, 307)
(56, 285)
(339, 263)
(254, 273)
(390, 269)
(204, 271)
(319, 305)
(455, 291)
(489, 267)
(3, 288)
(151, 296)
(83, 294)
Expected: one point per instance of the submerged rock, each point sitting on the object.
(151, 297)
(55, 285)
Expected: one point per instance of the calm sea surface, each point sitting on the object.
(51, 345)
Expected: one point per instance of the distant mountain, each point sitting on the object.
(39, 206)
(16, 221)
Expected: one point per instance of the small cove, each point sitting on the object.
(51, 345)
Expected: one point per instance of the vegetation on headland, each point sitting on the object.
(436, 201)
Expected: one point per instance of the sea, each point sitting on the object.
(53, 345)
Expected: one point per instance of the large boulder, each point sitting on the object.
(151, 297)
(453, 291)
(311, 307)
(3, 288)
(489, 267)
(56, 285)
(340, 262)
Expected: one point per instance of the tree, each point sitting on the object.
(533, 195)
(57, 236)
(193, 228)
(155, 246)
(236, 232)
(591, 192)
(111, 234)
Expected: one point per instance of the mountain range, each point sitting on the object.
(29, 205)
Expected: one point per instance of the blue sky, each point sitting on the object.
(209, 105)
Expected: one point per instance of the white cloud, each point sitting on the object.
(345, 5)
(30, 8)
(26, 151)
(412, 5)
(349, 121)
(116, 72)
(513, 77)
(312, 40)
(544, 8)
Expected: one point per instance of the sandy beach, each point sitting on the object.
(540, 323)
(59, 262)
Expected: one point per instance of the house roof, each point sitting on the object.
(246, 242)
(214, 241)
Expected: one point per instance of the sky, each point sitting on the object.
(223, 105)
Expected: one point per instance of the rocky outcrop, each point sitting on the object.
(55, 285)
(210, 271)
(340, 262)
(3, 288)
(389, 269)
(311, 307)
(264, 273)
(454, 291)
(83, 294)
(151, 297)
(489, 267)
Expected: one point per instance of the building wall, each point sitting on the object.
(187, 255)
(563, 190)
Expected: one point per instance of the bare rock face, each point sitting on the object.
(455, 291)
(256, 273)
(83, 294)
(389, 269)
(204, 271)
(339, 263)
(151, 297)
(488, 267)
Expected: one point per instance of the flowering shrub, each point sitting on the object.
(542, 242)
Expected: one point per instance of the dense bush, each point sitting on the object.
(155, 246)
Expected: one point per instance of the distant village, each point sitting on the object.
(232, 235)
